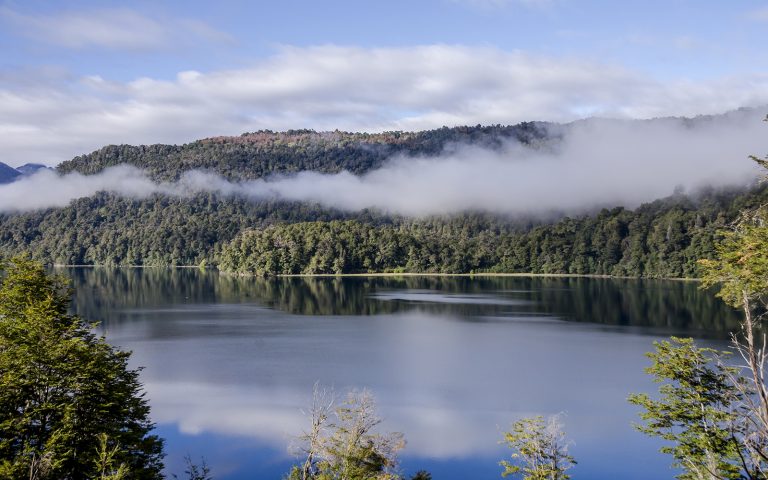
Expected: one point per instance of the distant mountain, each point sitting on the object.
(263, 153)
(30, 168)
(8, 173)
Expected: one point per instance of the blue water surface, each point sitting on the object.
(230, 363)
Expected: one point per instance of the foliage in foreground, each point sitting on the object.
(696, 410)
(539, 450)
(195, 471)
(717, 415)
(70, 407)
(342, 442)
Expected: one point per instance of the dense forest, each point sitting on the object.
(263, 153)
(659, 239)
(110, 230)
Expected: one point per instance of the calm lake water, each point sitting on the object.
(230, 362)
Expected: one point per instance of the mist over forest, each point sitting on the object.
(596, 196)
(521, 170)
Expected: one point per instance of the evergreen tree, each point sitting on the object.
(70, 407)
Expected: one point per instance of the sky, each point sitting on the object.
(77, 75)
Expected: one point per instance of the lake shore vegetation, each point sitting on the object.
(714, 409)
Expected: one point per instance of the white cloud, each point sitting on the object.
(120, 28)
(599, 163)
(330, 87)
(47, 189)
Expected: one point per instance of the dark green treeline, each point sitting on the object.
(664, 238)
(661, 239)
(106, 229)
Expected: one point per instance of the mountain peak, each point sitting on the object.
(30, 168)
(8, 173)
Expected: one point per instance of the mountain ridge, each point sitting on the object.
(258, 154)
(8, 174)
(663, 238)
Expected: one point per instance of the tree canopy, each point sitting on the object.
(716, 414)
(70, 406)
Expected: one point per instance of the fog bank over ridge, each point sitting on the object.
(599, 162)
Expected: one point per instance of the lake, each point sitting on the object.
(230, 362)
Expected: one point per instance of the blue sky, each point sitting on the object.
(77, 75)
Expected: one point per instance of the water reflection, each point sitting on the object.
(452, 360)
(666, 306)
(448, 395)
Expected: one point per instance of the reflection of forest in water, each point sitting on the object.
(680, 307)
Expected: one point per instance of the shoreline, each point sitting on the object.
(388, 274)
(489, 274)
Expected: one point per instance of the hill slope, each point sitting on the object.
(661, 238)
(8, 174)
(258, 154)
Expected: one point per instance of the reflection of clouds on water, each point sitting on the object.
(275, 418)
(201, 407)
(451, 387)
(512, 317)
(230, 362)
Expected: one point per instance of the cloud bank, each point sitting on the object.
(349, 88)
(598, 163)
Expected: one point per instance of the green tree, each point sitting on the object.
(696, 410)
(740, 270)
(539, 450)
(717, 416)
(106, 465)
(70, 408)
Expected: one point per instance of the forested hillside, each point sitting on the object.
(258, 154)
(110, 230)
(659, 239)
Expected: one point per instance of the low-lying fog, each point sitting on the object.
(598, 163)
